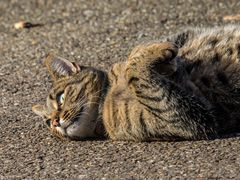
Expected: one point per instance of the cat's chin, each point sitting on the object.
(78, 129)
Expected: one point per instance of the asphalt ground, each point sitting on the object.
(96, 33)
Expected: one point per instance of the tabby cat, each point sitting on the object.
(186, 87)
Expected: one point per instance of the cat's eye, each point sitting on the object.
(61, 99)
(48, 122)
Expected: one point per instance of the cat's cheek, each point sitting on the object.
(79, 131)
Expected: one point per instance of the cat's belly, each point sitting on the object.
(211, 75)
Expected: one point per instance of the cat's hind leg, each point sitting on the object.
(150, 58)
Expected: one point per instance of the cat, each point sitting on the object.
(185, 87)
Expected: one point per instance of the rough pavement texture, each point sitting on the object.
(96, 33)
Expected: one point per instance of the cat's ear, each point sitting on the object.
(39, 110)
(59, 67)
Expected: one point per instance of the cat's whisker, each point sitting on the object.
(80, 114)
(67, 116)
(77, 116)
(97, 92)
(74, 114)
(81, 101)
(89, 103)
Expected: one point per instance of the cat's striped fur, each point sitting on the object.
(186, 87)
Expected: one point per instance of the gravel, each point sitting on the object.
(96, 33)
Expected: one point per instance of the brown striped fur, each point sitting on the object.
(186, 87)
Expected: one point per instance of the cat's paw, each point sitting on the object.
(162, 51)
(116, 73)
(155, 57)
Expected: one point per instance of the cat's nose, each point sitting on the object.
(55, 122)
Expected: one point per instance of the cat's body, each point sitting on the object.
(187, 87)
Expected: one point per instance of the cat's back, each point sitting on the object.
(211, 59)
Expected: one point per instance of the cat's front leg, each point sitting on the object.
(155, 58)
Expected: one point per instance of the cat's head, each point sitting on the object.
(72, 107)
